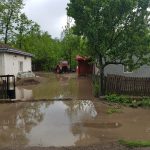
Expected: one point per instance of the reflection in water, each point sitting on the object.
(39, 124)
(77, 109)
(69, 123)
(17, 120)
(23, 94)
(58, 86)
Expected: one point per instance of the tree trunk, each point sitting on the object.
(70, 53)
(101, 77)
(7, 26)
(6, 35)
(101, 81)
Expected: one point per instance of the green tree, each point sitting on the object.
(10, 10)
(117, 31)
(72, 45)
(45, 49)
(23, 28)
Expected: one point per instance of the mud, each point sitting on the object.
(69, 123)
(30, 81)
(100, 125)
(108, 146)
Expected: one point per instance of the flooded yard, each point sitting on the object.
(82, 121)
(56, 86)
(71, 123)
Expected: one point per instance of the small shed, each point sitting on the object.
(13, 61)
(85, 67)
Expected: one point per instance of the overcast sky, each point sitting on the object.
(49, 14)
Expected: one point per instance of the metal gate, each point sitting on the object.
(7, 87)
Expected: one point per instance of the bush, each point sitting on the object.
(96, 89)
(118, 99)
(126, 100)
(96, 85)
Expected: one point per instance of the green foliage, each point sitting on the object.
(126, 100)
(117, 31)
(133, 144)
(23, 28)
(45, 49)
(145, 102)
(114, 110)
(96, 86)
(118, 99)
(18, 30)
(72, 45)
(9, 11)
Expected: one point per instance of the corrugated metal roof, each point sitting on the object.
(7, 49)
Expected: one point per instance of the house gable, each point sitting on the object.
(13, 61)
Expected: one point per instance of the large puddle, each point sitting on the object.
(68, 123)
(57, 86)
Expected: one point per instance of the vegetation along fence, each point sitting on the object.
(7, 87)
(127, 85)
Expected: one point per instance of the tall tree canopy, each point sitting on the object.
(9, 11)
(72, 45)
(117, 31)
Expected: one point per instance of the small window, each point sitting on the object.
(20, 66)
(127, 69)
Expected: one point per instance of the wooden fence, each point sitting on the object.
(127, 85)
(7, 87)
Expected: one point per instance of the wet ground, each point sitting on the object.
(83, 124)
(69, 123)
(54, 86)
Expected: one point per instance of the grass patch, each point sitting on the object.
(113, 110)
(125, 100)
(132, 144)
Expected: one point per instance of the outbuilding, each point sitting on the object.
(85, 67)
(13, 61)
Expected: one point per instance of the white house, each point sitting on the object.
(119, 69)
(13, 61)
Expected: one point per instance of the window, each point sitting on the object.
(20, 66)
(127, 69)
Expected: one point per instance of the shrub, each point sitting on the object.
(126, 100)
(118, 99)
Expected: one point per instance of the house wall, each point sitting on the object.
(143, 71)
(2, 71)
(11, 63)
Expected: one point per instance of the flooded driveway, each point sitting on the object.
(56, 86)
(69, 123)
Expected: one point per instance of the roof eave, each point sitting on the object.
(8, 50)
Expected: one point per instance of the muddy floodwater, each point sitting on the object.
(69, 123)
(81, 121)
(56, 86)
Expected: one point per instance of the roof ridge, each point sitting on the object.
(7, 49)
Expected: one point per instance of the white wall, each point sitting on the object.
(2, 71)
(12, 63)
